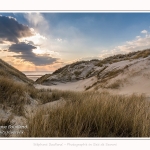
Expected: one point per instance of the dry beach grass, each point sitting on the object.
(93, 114)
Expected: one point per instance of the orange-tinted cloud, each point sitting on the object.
(27, 54)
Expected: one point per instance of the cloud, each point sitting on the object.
(26, 53)
(38, 60)
(139, 43)
(135, 45)
(144, 31)
(59, 40)
(137, 36)
(39, 23)
(11, 30)
(26, 44)
(21, 47)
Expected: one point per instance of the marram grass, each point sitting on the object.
(93, 114)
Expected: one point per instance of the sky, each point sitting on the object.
(38, 41)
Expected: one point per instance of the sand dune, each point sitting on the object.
(133, 77)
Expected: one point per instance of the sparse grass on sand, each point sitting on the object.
(8, 71)
(42, 79)
(15, 95)
(114, 85)
(93, 114)
(12, 95)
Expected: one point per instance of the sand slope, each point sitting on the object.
(132, 76)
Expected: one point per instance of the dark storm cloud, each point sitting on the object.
(38, 60)
(11, 30)
(27, 54)
(22, 47)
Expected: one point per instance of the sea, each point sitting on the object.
(34, 75)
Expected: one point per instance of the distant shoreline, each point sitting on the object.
(34, 75)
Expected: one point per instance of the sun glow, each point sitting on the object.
(38, 50)
(36, 39)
